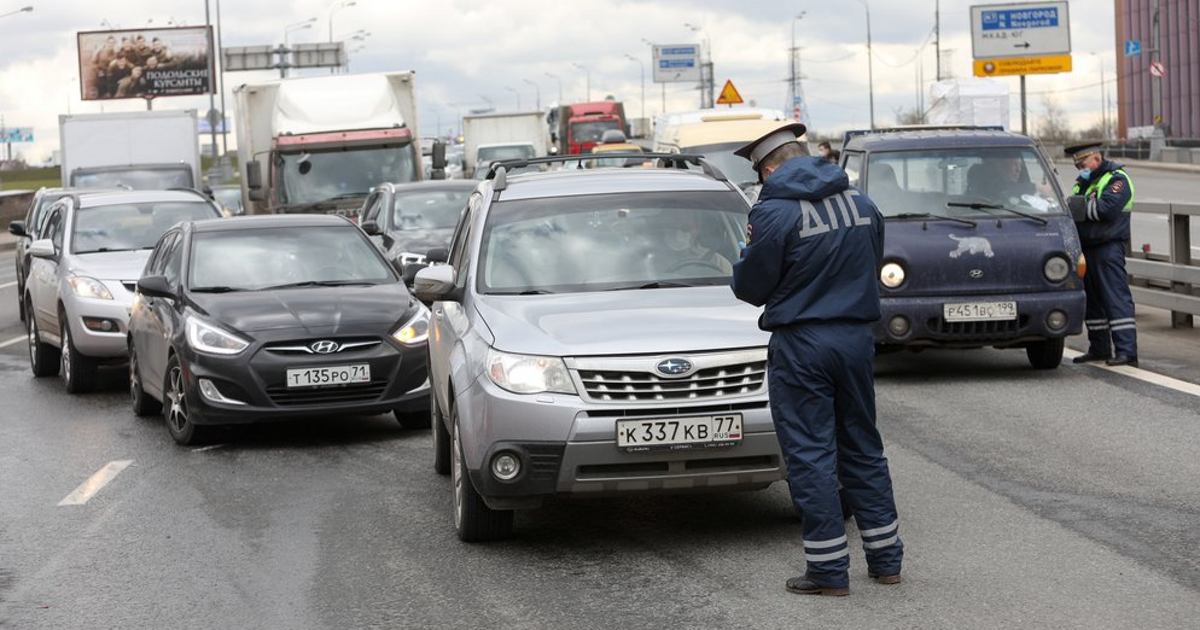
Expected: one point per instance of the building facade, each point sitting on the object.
(1178, 34)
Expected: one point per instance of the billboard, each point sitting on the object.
(146, 63)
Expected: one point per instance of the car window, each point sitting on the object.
(853, 167)
(371, 208)
(262, 258)
(174, 261)
(428, 209)
(611, 241)
(130, 226)
(960, 181)
(54, 227)
(460, 254)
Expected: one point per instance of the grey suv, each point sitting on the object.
(585, 342)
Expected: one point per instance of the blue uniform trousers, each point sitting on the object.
(1109, 317)
(822, 392)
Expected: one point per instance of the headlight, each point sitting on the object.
(1056, 269)
(205, 337)
(892, 275)
(524, 374)
(84, 286)
(415, 330)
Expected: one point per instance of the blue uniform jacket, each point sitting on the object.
(1112, 221)
(813, 250)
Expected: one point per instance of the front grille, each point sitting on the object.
(304, 346)
(642, 386)
(544, 461)
(360, 392)
(675, 411)
(977, 330)
(130, 286)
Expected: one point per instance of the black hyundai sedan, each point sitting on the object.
(273, 317)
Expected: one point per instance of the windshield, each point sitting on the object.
(505, 152)
(969, 180)
(592, 131)
(334, 175)
(127, 226)
(229, 197)
(429, 209)
(737, 169)
(251, 259)
(615, 241)
(134, 178)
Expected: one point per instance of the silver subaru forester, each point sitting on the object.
(585, 343)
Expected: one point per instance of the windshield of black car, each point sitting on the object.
(611, 241)
(914, 182)
(333, 175)
(254, 258)
(428, 209)
(135, 178)
(737, 169)
(129, 226)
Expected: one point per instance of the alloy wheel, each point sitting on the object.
(33, 342)
(457, 472)
(66, 354)
(177, 412)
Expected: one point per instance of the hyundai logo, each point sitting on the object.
(976, 273)
(324, 347)
(674, 367)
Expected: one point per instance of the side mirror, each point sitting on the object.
(437, 255)
(254, 180)
(438, 159)
(435, 283)
(43, 248)
(410, 272)
(17, 228)
(370, 227)
(208, 192)
(155, 286)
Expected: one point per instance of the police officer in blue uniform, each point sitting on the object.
(1104, 232)
(813, 251)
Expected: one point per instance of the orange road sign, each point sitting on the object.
(1050, 64)
(729, 95)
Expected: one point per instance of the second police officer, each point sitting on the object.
(813, 250)
(1103, 233)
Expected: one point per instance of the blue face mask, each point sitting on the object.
(1085, 173)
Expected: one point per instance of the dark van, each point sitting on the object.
(979, 250)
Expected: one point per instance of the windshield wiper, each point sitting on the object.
(926, 215)
(349, 195)
(216, 289)
(657, 284)
(320, 283)
(996, 206)
(106, 250)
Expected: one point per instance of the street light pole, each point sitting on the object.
(517, 94)
(662, 85)
(537, 93)
(587, 77)
(555, 77)
(643, 73)
(287, 31)
(794, 58)
(21, 10)
(870, 64)
(333, 8)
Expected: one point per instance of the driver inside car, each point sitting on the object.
(685, 250)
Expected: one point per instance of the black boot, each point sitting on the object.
(1090, 357)
(804, 586)
(1123, 359)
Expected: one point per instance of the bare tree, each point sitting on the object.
(1054, 128)
(912, 116)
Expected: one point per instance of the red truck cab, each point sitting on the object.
(582, 124)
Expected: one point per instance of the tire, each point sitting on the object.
(79, 373)
(143, 404)
(440, 437)
(43, 357)
(177, 411)
(474, 520)
(412, 419)
(1045, 355)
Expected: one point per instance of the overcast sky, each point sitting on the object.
(467, 53)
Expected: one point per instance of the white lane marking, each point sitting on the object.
(14, 340)
(207, 448)
(8, 284)
(1142, 375)
(95, 483)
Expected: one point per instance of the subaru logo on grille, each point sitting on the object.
(324, 347)
(674, 367)
(976, 273)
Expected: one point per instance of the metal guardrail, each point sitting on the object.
(1172, 284)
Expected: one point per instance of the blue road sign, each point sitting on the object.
(1133, 47)
(16, 134)
(1040, 17)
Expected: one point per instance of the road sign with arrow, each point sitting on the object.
(1035, 29)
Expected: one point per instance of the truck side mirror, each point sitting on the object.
(438, 158)
(254, 180)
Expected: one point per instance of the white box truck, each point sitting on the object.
(141, 150)
(507, 136)
(320, 144)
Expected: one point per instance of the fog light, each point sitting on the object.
(1056, 320)
(506, 466)
(209, 390)
(98, 324)
(898, 326)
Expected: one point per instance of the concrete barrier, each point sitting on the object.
(13, 206)
(1177, 155)
(1195, 155)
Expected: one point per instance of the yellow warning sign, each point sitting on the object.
(729, 95)
(1022, 65)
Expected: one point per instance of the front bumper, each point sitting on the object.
(568, 447)
(927, 328)
(95, 343)
(254, 388)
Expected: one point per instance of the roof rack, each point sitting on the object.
(854, 133)
(498, 170)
